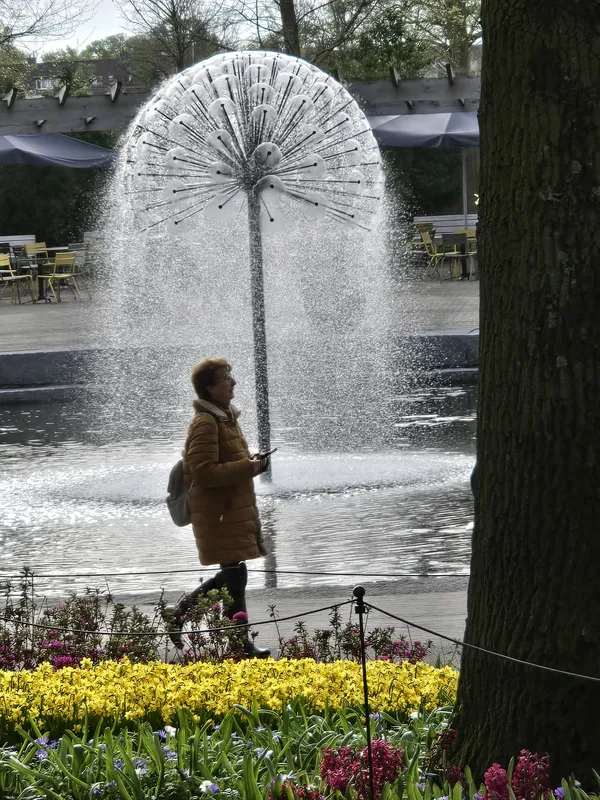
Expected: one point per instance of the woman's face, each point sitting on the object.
(221, 392)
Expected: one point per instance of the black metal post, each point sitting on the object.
(259, 328)
(359, 593)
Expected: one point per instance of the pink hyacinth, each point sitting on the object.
(241, 617)
(496, 783)
(530, 778)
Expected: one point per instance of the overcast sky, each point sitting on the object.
(105, 22)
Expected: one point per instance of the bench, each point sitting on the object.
(21, 239)
(448, 223)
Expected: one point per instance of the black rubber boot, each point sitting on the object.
(252, 651)
(175, 617)
(236, 579)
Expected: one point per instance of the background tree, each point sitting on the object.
(449, 28)
(70, 70)
(534, 591)
(178, 32)
(116, 46)
(312, 29)
(42, 20)
(408, 34)
(385, 39)
(14, 68)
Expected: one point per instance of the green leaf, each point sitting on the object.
(510, 770)
(566, 790)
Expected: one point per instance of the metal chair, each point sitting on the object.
(434, 255)
(9, 277)
(64, 272)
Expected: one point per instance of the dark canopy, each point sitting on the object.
(455, 129)
(52, 150)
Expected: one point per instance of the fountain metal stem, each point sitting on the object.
(258, 327)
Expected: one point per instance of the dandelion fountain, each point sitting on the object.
(261, 132)
(247, 207)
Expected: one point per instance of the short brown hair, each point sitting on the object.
(205, 374)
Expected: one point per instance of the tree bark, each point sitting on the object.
(289, 25)
(534, 591)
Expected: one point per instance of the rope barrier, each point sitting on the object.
(274, 621)
(483, 649)
(162, 634)
(68, 575)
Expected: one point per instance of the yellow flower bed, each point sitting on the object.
(122, 690)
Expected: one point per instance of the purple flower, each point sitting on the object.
(42, 740)
(118, 763)
(41, 755)
(559, 792)
(162, 735)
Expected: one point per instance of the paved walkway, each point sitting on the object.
(439, 606)
(430, 306)
(444, 612)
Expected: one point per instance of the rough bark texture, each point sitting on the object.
(535, 574)
(289, 25)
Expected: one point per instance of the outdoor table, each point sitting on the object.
(35, 271)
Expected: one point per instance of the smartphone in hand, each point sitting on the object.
(268, 453)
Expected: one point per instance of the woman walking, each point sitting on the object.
(219, 475)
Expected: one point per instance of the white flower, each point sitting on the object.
(415, 715)
(170, 731)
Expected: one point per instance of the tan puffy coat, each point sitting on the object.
(219, 476)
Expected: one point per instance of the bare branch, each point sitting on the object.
(355, 20)
(42, 20)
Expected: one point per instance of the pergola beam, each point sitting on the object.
(96, 113)
(115, 110)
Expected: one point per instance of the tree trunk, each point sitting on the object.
(289, 24)
(534, 591)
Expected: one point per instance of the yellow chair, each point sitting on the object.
(8, 277)
(37, 250)
(63, 270)
(434, 255)
(415, 242)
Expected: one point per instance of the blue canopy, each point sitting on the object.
(455, 129)
(52, 150)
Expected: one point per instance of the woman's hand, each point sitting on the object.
(259, 464)
(256, 467)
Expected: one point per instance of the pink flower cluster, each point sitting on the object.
(339, 768)
(496, 783)
(401, 650)
(530, 778)
(7, 657)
